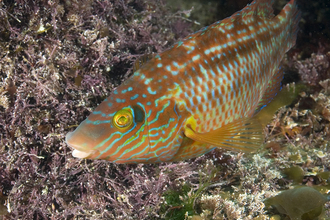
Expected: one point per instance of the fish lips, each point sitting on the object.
(79, 151)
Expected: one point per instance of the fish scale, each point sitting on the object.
(200, 94)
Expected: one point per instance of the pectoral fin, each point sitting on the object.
(241, 135)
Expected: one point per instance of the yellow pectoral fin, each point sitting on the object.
(241, 135)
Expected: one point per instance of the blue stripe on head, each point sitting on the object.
(151, 92)
(135, 96)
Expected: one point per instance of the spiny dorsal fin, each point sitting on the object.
(139, 62)
(264, 8)
(261, 8)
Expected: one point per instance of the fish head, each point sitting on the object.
(129, 127)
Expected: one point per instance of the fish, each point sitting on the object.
(202, 93)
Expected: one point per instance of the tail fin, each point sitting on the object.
(289, 17)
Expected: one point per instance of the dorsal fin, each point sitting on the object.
(139, 62)
(261, 8)
(264, 8)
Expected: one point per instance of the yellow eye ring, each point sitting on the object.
(123, 118)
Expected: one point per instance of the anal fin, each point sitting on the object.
(285, 97)
(274, 86)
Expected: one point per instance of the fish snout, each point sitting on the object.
(81, 148)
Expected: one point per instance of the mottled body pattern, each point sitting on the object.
(208, 80)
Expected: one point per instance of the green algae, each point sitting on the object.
(300, 203)
(179, 203)
(294, 173)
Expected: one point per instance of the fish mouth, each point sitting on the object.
(81, 154)
(78, 150)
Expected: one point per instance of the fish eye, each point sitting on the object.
(123, 118)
